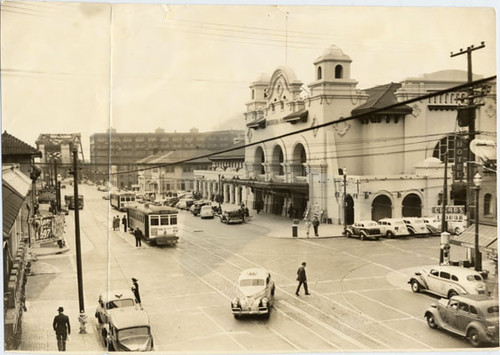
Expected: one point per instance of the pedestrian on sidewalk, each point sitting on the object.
(138, 237)
(315, 224)
(114, 223)
(62, 328)
(135, 290)
(302, 279)
(124, 222)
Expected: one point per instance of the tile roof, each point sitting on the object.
(13, 146)
(380, 97)
(233, 154)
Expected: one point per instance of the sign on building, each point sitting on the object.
(461, 154)
(452, 213)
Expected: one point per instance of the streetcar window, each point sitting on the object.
(155, 221)
(173, 219)
(164, 220)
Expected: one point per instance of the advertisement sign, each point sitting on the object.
(452, 213)
(461, 154)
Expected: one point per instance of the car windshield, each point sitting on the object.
(133, 332)
(371, 224)
(493, 309)
(128, 302)
(251, 282)
(474, 278)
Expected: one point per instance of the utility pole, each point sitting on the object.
(472, 124)
(77, 239)
(445, 236)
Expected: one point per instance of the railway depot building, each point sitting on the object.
(392, 161)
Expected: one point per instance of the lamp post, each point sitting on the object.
(344, 172)
(477, 254)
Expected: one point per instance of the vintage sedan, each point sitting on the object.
(207, 212)
(433, 225)
(393, 227)
(363, 230)
(231, 216)
(254, 293)
(448, 281)
(114, 299)
(472, 316)
(416, 226)
(128, 329)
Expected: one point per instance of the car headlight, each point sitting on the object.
(265, 301)
(480, 287)
(234, 302)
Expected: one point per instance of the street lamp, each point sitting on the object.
(477, 254)
(344, 172)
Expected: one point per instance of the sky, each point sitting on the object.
(69, 67)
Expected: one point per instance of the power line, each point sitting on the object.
(323, 125)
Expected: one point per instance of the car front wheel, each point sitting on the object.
(431, 322)
(473, 336)
(362, 236)
(415, 286)
(390, 235)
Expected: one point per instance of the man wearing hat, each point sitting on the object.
(135, 290)
(62, 328)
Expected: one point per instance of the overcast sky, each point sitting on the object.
(184, 66)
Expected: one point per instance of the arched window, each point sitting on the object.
(320, 76)
(253, 94)
(445, 144)
(487, 204)
(339, 72)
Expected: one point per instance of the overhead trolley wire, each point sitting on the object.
(323, 125)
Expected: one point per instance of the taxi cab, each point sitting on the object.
(448, 281)
(254, 293)
(112, 299)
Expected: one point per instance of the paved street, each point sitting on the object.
(360, 299)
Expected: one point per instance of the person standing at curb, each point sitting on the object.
(124, 222)
(135, 290)
(62, 328)
(138, 237)
(315, 224)
(302, 279)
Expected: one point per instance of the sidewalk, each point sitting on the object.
(281, 227)
(51, 284)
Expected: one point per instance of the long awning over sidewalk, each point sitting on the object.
(487, 238)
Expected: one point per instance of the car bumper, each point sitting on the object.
(260, 310)
(165, 240)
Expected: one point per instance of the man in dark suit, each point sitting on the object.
(135, 290)
(302, 279)
(62, 328)
(124, 222)
(138, 237)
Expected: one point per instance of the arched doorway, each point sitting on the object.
(259, 161)
(277, 161)
(412, 206)
(349, 213)
(299, 159)
(381, 207)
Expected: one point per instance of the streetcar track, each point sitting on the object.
(289, 294)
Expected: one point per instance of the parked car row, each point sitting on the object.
(399, 227)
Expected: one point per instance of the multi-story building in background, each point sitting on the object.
(57, 154)
(117, 153)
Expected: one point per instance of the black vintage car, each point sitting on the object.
(363, 230)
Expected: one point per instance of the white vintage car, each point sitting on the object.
(448, 281)
(114, 299)
(393, 227)
(254, 293)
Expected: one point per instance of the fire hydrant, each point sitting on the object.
(83, 320)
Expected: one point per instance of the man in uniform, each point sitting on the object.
(62, 328)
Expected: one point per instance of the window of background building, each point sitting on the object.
(487, 205)
(445, 144)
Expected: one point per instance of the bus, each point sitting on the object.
(121, 200)
(70, 201)
(158, 224)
